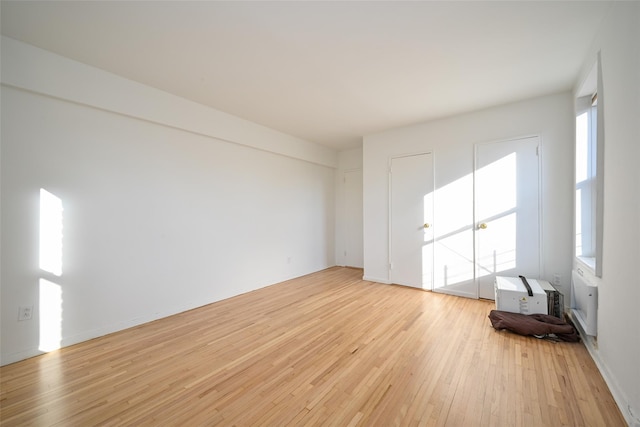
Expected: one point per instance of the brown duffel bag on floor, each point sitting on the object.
(537, 325)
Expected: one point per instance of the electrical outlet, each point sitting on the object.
(25, 312)
(556, 279)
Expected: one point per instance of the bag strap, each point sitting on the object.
(526, 285)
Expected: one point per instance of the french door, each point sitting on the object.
(507, 211)
(500, 237)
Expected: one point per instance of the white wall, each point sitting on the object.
(349, 160)
(452, 142)
(618, 344)
(160, 215)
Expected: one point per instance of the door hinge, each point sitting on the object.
(390, 266)
(537, 150)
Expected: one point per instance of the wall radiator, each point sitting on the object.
(584, 300)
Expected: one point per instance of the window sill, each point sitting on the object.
(588, 262)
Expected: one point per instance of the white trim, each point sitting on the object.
(99, 332)
(376, 280)
(456, 293)
(586, 87)
(474, 225)
(619, 397)
(541, 266)
(600, 152)
(57, 77)
(588, 263)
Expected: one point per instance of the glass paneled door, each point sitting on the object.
(507, 211)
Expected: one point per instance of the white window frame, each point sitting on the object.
(589, 172)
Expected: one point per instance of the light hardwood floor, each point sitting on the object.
(324, 349)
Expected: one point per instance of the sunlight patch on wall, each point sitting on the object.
(50, 316)
(50, 233)
(50, 307)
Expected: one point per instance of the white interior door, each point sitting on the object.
(507, 212)
(353, 243)
(411, 217)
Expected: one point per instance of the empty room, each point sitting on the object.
(297, 213)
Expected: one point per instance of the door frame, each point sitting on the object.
(475, 218)
(390, 207)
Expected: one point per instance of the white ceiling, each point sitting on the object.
(328, 72)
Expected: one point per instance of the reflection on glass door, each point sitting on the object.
(506, 211)
(453, 257)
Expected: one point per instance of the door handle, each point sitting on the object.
(427, 225)
(482, 226)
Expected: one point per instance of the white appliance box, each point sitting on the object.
(512, 295)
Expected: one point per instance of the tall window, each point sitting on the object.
(589, 172)
(586, 172)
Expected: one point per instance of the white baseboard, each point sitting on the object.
(376, 279)
(6, 359)
(630, 414)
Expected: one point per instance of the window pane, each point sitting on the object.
(582, 147)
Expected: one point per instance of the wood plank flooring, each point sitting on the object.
(324, 349)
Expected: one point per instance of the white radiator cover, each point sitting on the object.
(584, 300)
